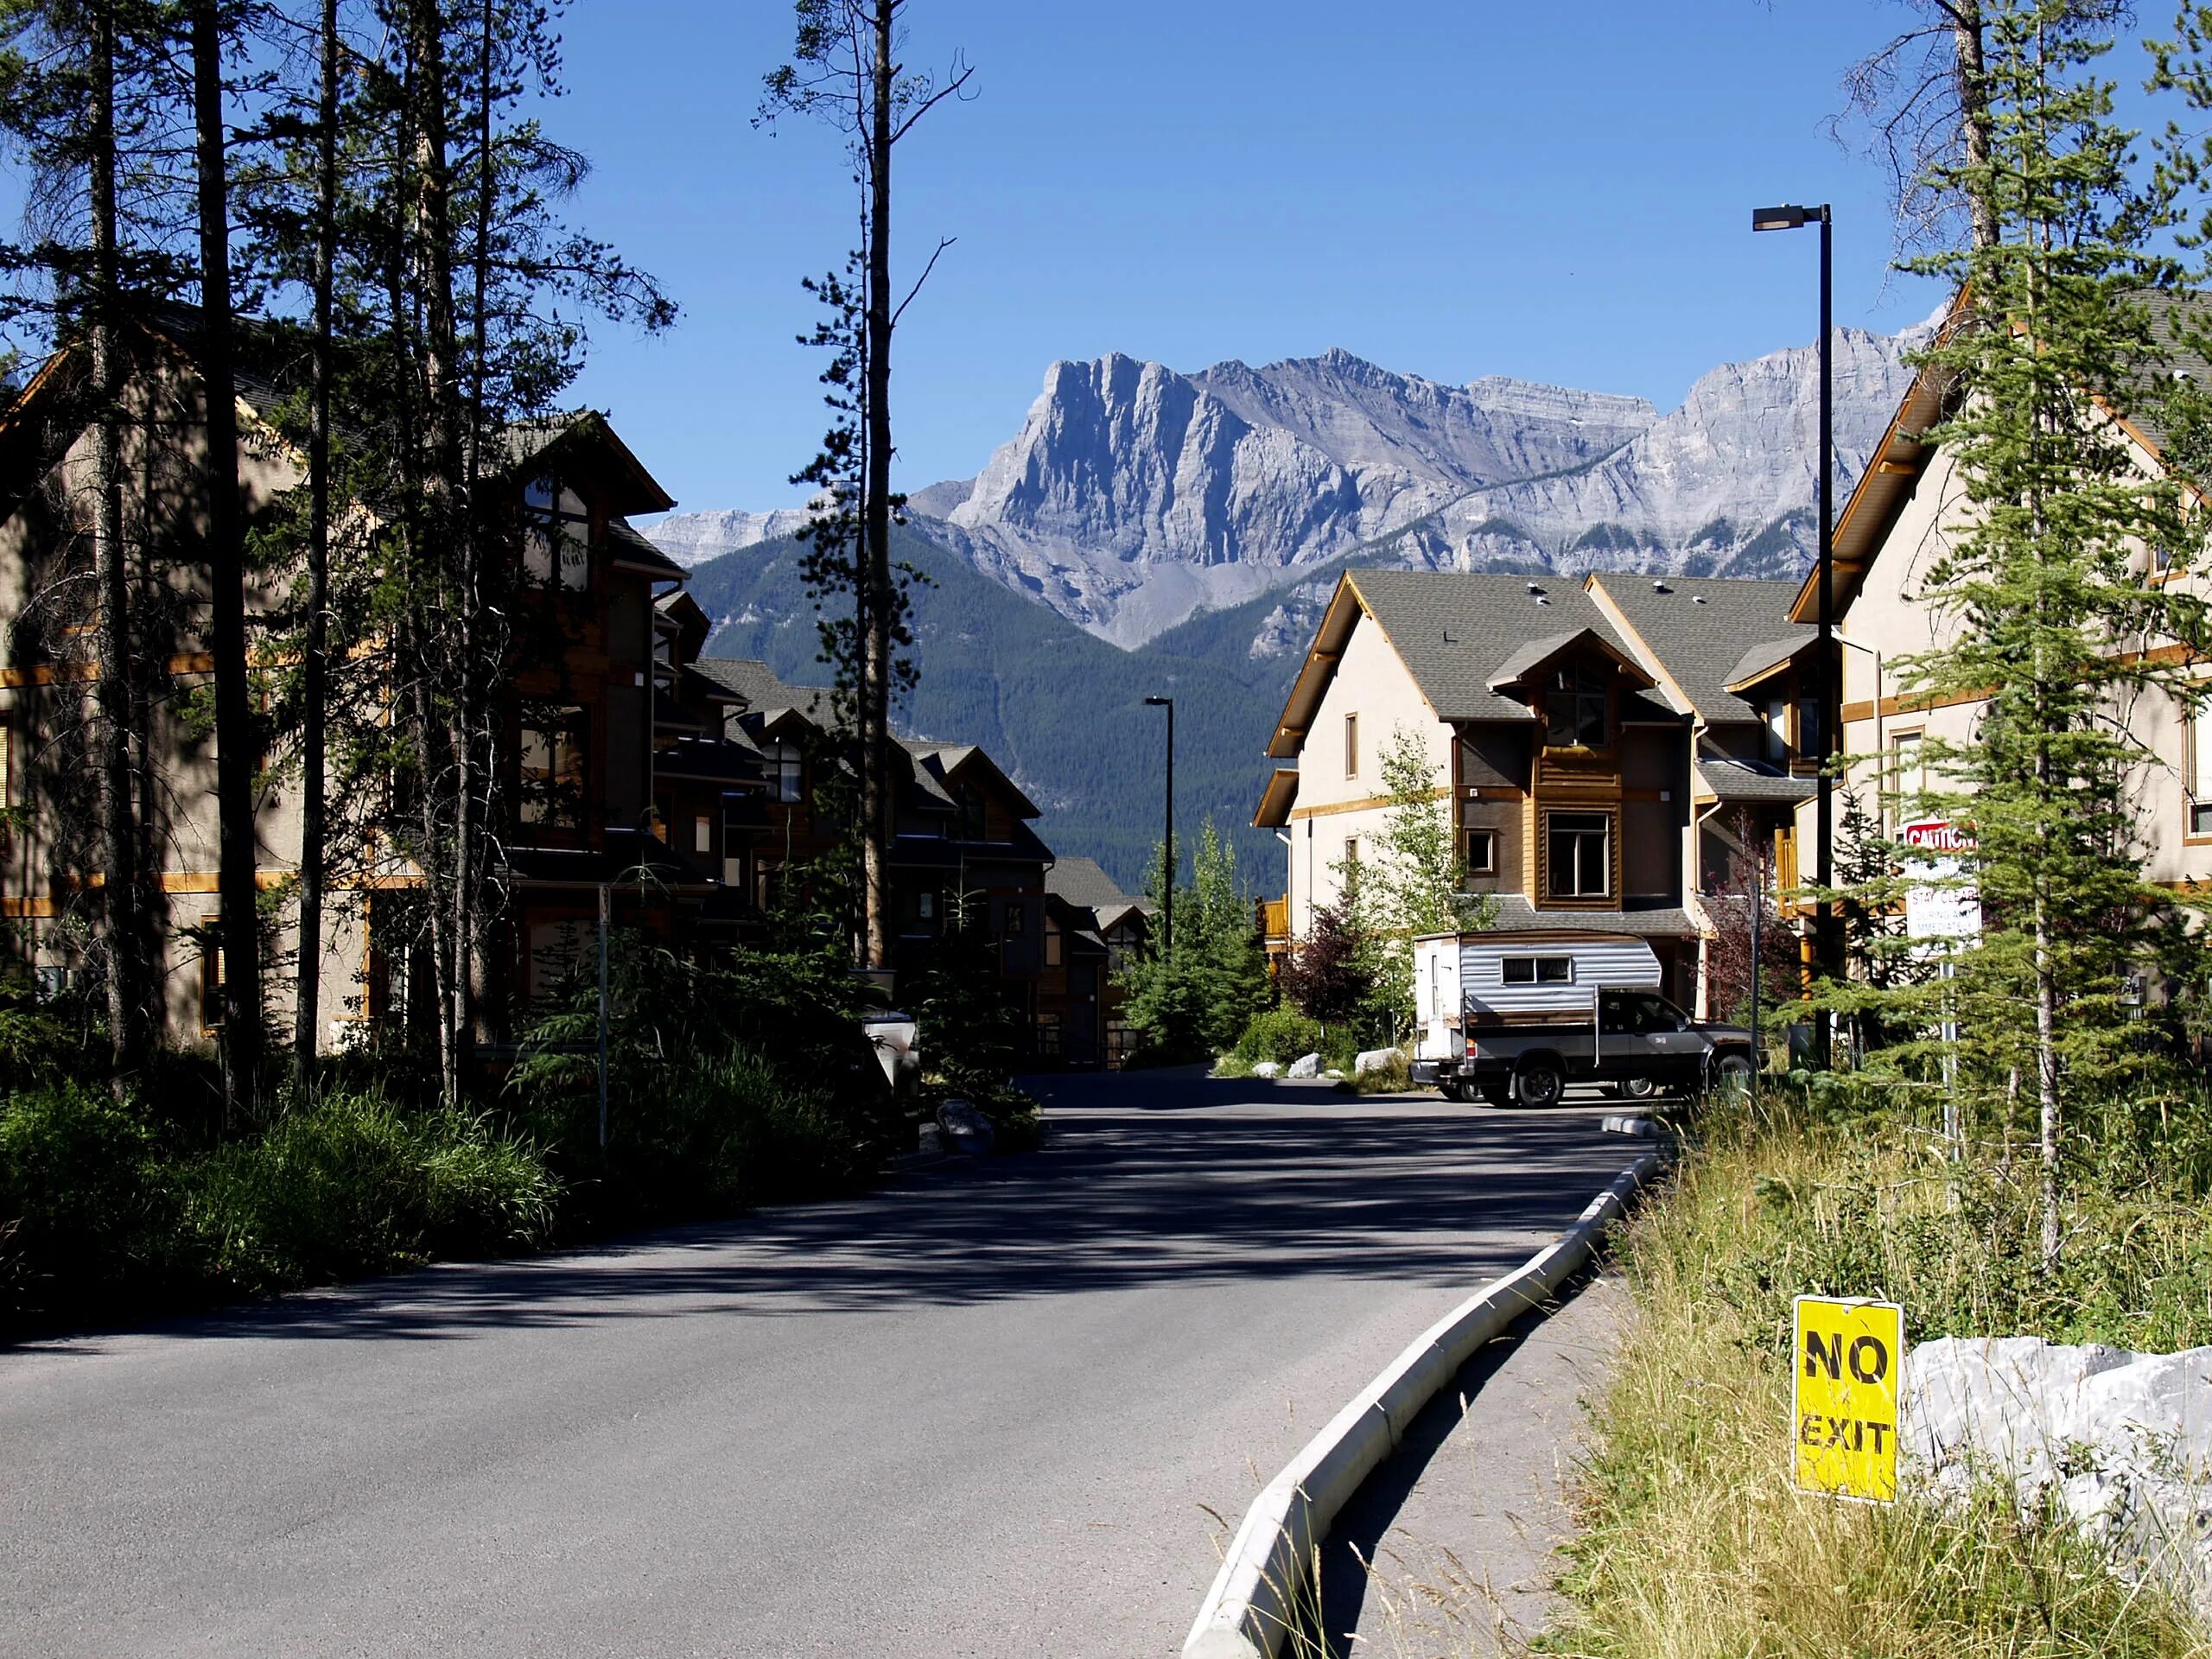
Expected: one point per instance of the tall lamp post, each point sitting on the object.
(1791, 218)
(1167, 836)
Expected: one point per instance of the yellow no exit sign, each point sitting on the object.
(1848, 1360)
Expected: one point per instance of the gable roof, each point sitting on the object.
(585, 433)
(938, 764)
(1893, 469)
(1694, 629)
(754, 683)
(1454, 630)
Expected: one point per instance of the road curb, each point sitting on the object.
(1255, 1596)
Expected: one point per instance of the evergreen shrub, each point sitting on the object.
(1279, 1034)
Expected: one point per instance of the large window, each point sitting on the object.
(2200, 771)
(1574, 708)
(786, 772)
(1908, 778)
(556, 536)
(552, 776)
(1777, 729)
(1581, 846)
(1052, 943)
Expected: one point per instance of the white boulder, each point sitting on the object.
(1267, 1068)
(2120, 1442)
(1305, 1066)
(1375, 1059)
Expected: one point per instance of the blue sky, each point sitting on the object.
(1556, 191)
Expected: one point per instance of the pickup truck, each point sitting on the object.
(1638, 1038)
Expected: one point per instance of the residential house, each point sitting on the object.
(1093, 930)
(1724, 653)
(963, 852)
(1565, 765)
(1906, 508)
(589, 760)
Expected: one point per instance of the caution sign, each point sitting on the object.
(1849, 1362)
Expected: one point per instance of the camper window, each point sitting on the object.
(1540, 970)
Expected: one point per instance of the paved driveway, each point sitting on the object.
(992, 1411)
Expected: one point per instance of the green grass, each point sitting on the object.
(104, 1216)
(1692, 1543)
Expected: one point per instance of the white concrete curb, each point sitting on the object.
(1255, 1597)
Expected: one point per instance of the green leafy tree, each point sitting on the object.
(1413, 883)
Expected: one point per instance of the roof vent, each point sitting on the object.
(1697, 599)
(1535, 588)
(1661, 587)
(1543, 598)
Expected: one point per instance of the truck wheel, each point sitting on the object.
(1455, 1092)
(1498, 1094)
(1638, 1087)
(1731, 1075)
(1538, 1084)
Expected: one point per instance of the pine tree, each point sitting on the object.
(2040, 585)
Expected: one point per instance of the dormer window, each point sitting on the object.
(556, 536)
(785, 771)
(1575, 708)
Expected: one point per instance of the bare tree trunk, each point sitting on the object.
(479, 773)
(315, 668)
(434, 252)
(237, 750)
(2047, 1082)
(127, 988)
(1967, 68)
(876, 593)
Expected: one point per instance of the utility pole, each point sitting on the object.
(1824, 917)
(1167, 836)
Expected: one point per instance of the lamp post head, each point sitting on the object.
(1783, 219)
(1159, 702)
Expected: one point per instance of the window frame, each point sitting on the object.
(2197, 787)
(1490, 839)
(546, 510)
(784, 766)
(1537, 966)
(1584, 686)
(1351, 745)
(565, 728)
(1605, 826)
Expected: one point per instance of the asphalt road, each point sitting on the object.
(992, 1411)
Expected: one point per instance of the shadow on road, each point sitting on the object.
(1131, 1192)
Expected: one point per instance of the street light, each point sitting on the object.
(1791, 218)
(1167, 836)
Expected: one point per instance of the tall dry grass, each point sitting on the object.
(1692, 1542)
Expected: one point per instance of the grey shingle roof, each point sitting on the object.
(1767, 654)
(1456, 629)
(1698, 628)
(2171, 315)
(1081, 881)
(757, 683)
(1734, 780)
(1517, 915)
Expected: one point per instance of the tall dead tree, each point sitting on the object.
(1920, 105)
(237, 747)
(315, 648)
(845, 71)
(129, 970)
